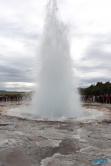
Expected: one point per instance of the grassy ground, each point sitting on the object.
(12, 93)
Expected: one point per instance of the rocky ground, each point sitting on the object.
(26, 142)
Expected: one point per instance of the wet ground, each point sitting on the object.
(31, 142)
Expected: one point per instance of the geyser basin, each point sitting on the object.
(56, 95)
(25, 112)
(52, 142)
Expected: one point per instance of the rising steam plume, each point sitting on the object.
(56, 95)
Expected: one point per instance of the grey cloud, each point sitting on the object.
(16, 69)
(96, 59)
(96, 51)
(10, 29)
(15, 87)
(12, 74)
(92, 69)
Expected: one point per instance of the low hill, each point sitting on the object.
(99, 88)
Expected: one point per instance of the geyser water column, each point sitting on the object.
(56, 95)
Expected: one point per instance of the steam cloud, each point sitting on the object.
(56, 95)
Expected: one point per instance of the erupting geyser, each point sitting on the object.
(56, 94)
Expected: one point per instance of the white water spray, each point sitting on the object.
(56, 95)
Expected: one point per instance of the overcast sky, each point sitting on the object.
(21, 27)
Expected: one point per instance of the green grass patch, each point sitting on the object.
(11, 93)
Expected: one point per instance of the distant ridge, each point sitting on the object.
(2, 90)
